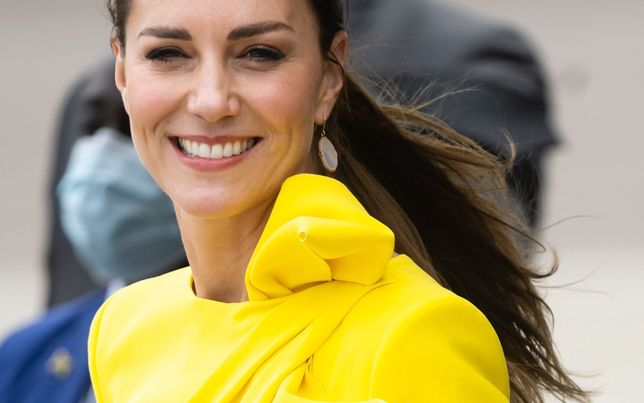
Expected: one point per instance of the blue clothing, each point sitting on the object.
(47, 360)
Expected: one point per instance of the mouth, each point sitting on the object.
(216, 151)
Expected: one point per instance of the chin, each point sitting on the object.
(207, 207)
(211, 205)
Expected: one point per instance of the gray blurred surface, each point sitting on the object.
(594, 55)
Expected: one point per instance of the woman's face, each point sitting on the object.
(223, 97)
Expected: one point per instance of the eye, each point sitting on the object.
(263, 54)
(165, 55)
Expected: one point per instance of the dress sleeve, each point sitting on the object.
(443, 350)
(92, 347)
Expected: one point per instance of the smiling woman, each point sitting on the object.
(298, 290)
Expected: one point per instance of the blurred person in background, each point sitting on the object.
(484, 78)
(121, 227)
(92, 103)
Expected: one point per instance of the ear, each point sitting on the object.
(333, 77)
(119, 71)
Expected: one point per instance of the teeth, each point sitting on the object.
(204, 150)
(194, 149)
(228, 150)
(216, 151)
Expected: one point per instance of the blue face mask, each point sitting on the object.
(119, 222)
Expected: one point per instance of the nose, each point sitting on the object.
(212, 97)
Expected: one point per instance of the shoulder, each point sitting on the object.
(407, 288)
(421, 342)
(141, 299)
(438, 346)
(164, 285)
(148, 299)
(405, 295)
(131, 315)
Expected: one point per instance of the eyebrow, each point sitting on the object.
(259, 28)
(167, 33)
(236, 34)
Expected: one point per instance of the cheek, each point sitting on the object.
(149, 102)
(288, 104)
(151, 96)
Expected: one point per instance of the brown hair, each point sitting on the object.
(445, 199)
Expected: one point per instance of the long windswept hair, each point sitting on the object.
(447, 201)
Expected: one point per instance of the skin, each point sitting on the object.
(195, 69)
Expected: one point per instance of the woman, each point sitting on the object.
(294, 292)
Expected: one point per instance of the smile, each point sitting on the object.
(222, 150)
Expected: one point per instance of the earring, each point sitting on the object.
(326, 149)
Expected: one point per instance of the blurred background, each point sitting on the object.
(593, 54)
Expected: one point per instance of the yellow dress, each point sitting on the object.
(331, 317)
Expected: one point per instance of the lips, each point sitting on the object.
(215, 151)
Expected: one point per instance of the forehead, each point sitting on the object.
(219, 14)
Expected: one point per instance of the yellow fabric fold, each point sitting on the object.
(331, 317)
(317, 232)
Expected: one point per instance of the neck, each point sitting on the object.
(219, 251)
